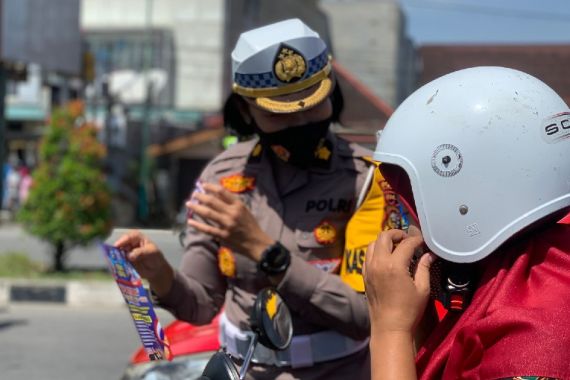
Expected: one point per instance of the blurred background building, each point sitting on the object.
(550, 63)
(157, 77)
(163, 67)
(154, 75)
(40, 65)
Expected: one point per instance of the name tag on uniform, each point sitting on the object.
(330, 205)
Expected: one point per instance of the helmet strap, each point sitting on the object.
(458, 282)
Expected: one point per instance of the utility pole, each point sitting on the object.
(3, 144)
(3, 80)
(143, 209)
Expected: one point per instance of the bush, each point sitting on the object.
(69, 200)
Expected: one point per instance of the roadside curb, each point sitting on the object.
(68, 293)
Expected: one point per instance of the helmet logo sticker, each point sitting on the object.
(556, 128)
(446, 160)
(289, 66)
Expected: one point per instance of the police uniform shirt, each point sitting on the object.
(307, 211)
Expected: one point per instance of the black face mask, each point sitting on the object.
(296, 145)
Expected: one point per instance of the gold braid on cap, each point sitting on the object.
(297, 105)
(283, 90)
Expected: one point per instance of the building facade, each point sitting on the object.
(167, 63)
(369, 39)
(182, 56)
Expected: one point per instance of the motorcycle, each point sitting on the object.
(196, 350)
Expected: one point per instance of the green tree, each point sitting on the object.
(69, 203)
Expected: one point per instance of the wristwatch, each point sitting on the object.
(274, 260)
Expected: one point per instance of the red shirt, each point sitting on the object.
(518, 323)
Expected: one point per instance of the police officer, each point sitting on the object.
(488, 173)
(272, 211)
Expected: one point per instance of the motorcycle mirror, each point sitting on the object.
(273, 327)
(271, 320)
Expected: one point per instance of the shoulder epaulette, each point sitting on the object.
(239, 150)
(351, 149)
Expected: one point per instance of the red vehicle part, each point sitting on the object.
(186, 339)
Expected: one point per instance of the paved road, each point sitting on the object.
(45, 342)
(14, 238)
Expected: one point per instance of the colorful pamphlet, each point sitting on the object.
(198, 188)
(140, 306)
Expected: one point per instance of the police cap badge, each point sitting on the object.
(283, 67)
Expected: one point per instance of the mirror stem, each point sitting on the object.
(248, 356)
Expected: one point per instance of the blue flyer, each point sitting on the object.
(136, 296)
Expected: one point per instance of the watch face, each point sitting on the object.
(278, 256)
(275, 259)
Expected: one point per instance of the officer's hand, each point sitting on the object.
(148, 260)
(397, 300)
(230, 221)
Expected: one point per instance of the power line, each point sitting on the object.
(493, 11)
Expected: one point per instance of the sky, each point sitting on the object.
(488, 21)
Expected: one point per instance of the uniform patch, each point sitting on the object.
(323, 153)
(325, 233)
(256, 152)
(281, 152)
(226, 262)
(394, 214)
(326, 265)
(238, 183)
(393, 219)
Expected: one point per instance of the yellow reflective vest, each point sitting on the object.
(380, 211)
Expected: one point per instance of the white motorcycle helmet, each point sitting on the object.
(487, 153)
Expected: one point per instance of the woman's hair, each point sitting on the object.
(233, 119)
